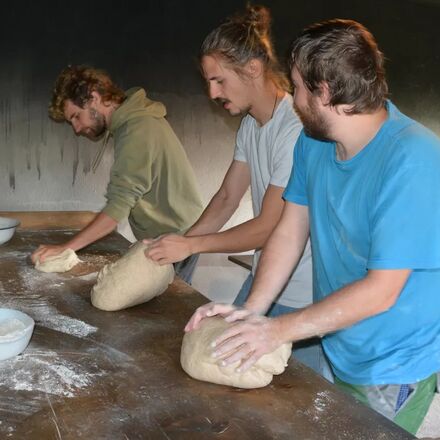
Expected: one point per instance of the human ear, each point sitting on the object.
(254, 68)
(96, 98)
(324, 93)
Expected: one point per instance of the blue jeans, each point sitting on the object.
(185, 268)
(309, 352)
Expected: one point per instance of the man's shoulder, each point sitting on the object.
(411, 142)
(406, 130)
(286, 118)
(143, 125)
(137, 111)
(415, 132)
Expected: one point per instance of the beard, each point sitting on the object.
(98, 126)
(315, 125)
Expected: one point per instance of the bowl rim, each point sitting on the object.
(14, 224)
(29, 324)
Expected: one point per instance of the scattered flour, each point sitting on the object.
(318, 410)
(34, 281)
(14, 254)
(48, 316)
(65, 324)
(320, 401)
(37, 305)
(11, 329)
(49, 373)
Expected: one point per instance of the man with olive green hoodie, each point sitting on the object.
(151, 181)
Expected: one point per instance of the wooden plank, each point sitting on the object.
(51, 219)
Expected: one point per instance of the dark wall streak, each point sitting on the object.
(75, 161)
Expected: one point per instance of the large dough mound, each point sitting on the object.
(133, 279)
(58, 263)
(197, 361)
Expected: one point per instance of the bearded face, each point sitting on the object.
(314, 122)
(97, 124)
(86, 121)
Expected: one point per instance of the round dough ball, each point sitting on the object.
(196, 359)
(58, 263)
(132, 280)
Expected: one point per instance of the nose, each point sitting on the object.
(76, 127)
(214, 91)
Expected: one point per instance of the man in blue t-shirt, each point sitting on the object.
(366, 187)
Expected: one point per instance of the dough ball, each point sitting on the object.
(132, 280)
(58, 263)
(197, 361)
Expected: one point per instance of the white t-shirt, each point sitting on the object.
(268, 151)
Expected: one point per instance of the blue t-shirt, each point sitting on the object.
(378, 210)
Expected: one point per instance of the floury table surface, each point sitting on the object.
(89, 374)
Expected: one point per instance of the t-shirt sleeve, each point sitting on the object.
(405, 220)
(295, 191)
(240, 143)
(281, 166)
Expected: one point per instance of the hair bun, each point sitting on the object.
(258, 17)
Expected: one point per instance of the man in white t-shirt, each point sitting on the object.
(268, 152)
(243, 75)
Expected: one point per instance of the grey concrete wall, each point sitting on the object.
(43, 166)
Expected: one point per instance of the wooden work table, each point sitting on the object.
(89, 374)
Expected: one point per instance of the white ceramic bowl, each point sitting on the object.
(15, 342)
(7, 228)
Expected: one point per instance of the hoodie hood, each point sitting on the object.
(136, 104)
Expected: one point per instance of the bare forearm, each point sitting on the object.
(101, 226)
(280, 256)
(252, 234)
(345, 307)
(246, 236)
(225, 201)
(214, 217)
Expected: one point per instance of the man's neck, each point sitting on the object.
(266, 100)
(353, 133)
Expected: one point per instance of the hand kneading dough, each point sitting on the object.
(197, 361)
(58, 263)
(133, 279)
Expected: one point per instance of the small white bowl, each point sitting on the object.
(11, 345)
(7, 228)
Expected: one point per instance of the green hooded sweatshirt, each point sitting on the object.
(151, 181)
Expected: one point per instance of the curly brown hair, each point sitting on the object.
(76, 83)
(243, 37)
